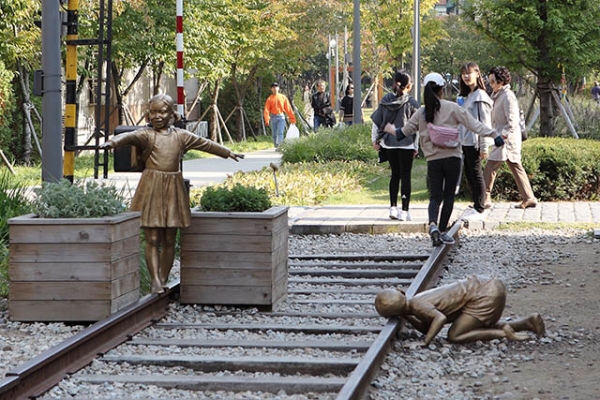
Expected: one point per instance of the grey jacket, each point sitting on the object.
(395, 110)
(479, 105)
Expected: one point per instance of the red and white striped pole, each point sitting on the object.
(179, 40)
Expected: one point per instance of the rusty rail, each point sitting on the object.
(36, 376)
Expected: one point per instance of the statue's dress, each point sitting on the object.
(161, 196)
(480, 297)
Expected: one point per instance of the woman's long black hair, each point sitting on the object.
(431, 100)
(401, 80)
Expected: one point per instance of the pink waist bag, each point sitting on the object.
(443, 136)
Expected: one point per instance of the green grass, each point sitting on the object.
(376, 190)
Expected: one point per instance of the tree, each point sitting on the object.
(20, 51)
(547, 38)
(460, 44)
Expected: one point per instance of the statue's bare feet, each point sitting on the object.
(511, 334)
(157, 288)
(537, 324)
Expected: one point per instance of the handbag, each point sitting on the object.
(443, 136)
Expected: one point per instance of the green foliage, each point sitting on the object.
(305, 183)
(559, 170)
(78, 200)
(544, 37)
(13, 202)
(7, 108)
(328, 144)
(237, 198)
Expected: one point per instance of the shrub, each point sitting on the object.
(78, 200)
(13, 202)
(558, 169)
(238, 198)
(329, 144)
(304, 184)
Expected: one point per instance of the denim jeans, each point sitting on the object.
(277, 126)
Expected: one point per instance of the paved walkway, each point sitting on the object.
(375, 218)
(368, 218)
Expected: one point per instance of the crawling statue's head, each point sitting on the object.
(390, 303)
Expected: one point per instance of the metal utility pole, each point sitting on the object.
(51, 97)
(71, 91)
(357, 109)
(416, 54)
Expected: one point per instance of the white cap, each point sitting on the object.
(435, 78)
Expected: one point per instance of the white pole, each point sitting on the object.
(179, 41)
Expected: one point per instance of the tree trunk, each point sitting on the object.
(544, 85)
(546, 109)
(26, 106)
(213, 119)
(240, 93)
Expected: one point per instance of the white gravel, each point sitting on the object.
(415, 372)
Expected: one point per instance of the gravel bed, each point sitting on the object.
(411, 372)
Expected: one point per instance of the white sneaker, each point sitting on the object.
(404, 216)
(393, 213)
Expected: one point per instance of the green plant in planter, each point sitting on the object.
(89, 199)
(238, 198)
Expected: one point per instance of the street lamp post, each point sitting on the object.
(332, 74)
(416, 54)
(357, 110)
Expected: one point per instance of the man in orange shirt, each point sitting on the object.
(276, 106)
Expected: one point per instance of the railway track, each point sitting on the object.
(325, 341)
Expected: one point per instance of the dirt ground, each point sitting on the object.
(567, 366)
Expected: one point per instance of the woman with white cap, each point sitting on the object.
(437, 124)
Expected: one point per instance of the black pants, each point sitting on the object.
(474, 174)
(442, 177)
(401, 161)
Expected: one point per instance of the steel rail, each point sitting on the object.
(358, 383)
(42, 372)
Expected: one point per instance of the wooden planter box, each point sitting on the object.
(235, 258)
(73, 269)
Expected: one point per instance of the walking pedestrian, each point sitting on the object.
(347, 105)
(161, 196)
(321, 104)
(397, 108)
(505, 121)
(276, 107)
(475, 148)
(596, 92)
(437, 124)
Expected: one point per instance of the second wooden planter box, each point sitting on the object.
(236, 258)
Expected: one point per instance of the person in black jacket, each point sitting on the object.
(396, 108)
(321, 104)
